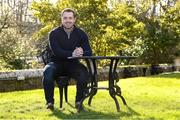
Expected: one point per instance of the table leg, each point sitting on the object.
(91, 64)
(111, 92)
(117, 88)
(94, 90)
(82, 100)
(118, 93)
(111, 85)
(94, 82)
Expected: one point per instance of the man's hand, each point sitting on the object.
(78, 52)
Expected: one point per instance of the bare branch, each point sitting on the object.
(4, 22)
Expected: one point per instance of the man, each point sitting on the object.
(65, 41)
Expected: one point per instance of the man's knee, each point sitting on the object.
(49, 72)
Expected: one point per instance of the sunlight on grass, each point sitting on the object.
(148, 98)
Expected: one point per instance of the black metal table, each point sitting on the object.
(114, 89)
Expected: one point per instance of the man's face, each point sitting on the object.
(68, 20)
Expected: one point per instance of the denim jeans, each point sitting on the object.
(74, 70)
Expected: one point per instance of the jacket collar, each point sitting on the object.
(61, 27)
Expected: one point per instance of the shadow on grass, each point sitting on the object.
(92, 114)
(132, 111)
(70, 105)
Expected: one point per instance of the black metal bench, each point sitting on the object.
(63, 82)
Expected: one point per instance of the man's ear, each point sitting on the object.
(75, 19)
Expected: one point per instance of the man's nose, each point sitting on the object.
(68, 19)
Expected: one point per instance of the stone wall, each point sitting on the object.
(16, 85)
(32, 78)
(20, 80)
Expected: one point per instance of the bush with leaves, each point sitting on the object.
(13, 49)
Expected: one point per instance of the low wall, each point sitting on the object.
(20, 80)
(32, 78)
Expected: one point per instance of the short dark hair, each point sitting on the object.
(69, 10)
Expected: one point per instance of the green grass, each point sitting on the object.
(148, 98)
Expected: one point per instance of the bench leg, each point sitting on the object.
(65, 92)
(61, 96)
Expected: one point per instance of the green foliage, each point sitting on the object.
(10, 49)
(109, 30)
(13, 49)
(162, 35)
(171, 33)
(125, 31)
(47, 14)
(16, 28)
(135, 27)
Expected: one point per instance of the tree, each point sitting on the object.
(16, 27)
(125, 31)
(171, 33)
(161, 32)
(108, 29)
(10, 51)
(160, 39)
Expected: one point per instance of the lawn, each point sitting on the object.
(148, 98)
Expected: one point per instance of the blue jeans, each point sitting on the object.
(74, 70)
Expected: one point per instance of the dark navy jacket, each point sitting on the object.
(62, 47)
